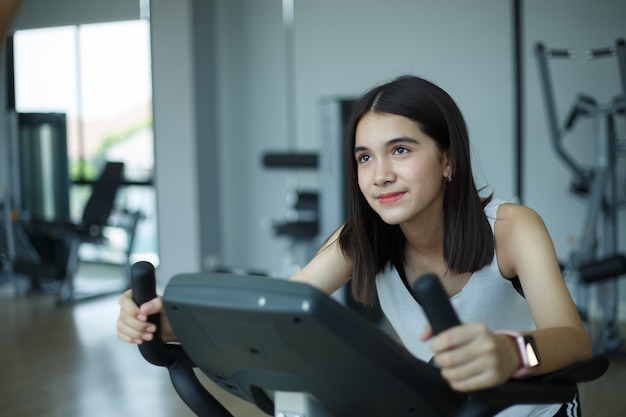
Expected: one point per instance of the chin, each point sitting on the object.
(391, 216)
(391, 220)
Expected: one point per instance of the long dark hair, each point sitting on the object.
(371, 243)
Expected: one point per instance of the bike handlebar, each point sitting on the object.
(143, 283)
(171, 356)
(433, 298)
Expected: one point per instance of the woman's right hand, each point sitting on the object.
(133, 325)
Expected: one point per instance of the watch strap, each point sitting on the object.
(520, 343)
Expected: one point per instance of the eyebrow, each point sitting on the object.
(391, 142)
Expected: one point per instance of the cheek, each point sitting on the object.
(425, 169)
(412, 173)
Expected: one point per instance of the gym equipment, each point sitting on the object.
(55, 244)
(293, 351)
(586, 264)
(302, 223)
(42, 171)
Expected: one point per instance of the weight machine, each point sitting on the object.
(294, 352)
(599, 185)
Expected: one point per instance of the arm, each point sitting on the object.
(526, 250)
(472, 357)
(329, 269)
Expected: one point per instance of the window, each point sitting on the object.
(99, 76)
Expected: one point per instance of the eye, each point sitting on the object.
(362, 158)
(400, 150)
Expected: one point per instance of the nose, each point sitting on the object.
(383, 172)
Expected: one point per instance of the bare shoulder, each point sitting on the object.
(516, 218)
(519, 234)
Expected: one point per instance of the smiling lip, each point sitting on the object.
(390, 197)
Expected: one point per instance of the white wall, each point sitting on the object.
(251, 120)
(175, 136)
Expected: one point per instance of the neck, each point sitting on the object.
(424, 245)
(425, 234)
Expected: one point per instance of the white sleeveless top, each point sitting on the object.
(487, 297)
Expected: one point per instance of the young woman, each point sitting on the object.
(414, 209)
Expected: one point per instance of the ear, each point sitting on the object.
(446, 164)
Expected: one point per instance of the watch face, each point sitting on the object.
(531, 351)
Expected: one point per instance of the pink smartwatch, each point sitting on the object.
(526, 349)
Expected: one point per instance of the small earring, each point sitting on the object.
(449, 179)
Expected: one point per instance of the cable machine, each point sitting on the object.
(589, 263)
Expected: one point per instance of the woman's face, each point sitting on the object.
(401, 171)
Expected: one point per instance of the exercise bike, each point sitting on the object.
(599, 185)
(293, 351)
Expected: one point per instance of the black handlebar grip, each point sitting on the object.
(431, 295)
(603, 269)
(143, 282)
(600, 53)
(562, 53)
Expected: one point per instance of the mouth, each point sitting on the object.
(389, 198)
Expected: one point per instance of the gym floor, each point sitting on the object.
(66, 361)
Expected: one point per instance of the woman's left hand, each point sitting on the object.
(471, 357)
